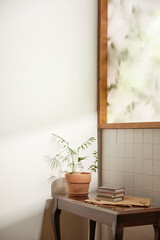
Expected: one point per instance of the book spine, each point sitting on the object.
(111, 191)
(111, 194)
(111, 197)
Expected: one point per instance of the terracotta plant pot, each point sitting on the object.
(78, 183)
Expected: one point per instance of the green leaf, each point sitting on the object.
(86, 144)
(134, 10)
(112, 87)
(69, 155)
(113, 46)
(133, 105)
(60, 141)
(81, 158)
(124, 54)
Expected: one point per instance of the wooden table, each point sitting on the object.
(117, 217)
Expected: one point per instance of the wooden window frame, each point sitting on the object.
(102, 75)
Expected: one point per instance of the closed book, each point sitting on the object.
(111, 195)
(99, 198)
(111, 189)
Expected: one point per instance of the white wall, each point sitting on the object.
(48, 70)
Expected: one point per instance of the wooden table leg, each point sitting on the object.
(55, 217)
(117, 230)
(156, 231)
(92, 227)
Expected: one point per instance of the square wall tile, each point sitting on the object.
(156, 184)
(129, 135)
(112, 177)
(148, 136)
(120, 149)
(128, 167)
(128, 191)
(105, 149)
(138, 135)
(147, 151)
(120, 178)
(112, 135)
(156, 168)
(156, 135)
(105, 163)
(147, 194)
(105, 177)
(147, 182)
(137, 150)
(112, 163)
(120, 135)
(112, 149)
(120, 164)
(129, 180)
(105, 136)
(138, 181)
(137, 164)
(156, 151)
(137, 192)
(147, 167)
(156, 198)
(128, 149)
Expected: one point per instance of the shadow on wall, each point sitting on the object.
(16, 231)
(72, 227)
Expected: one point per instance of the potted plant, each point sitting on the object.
(68, 160)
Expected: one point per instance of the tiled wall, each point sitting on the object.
(131, 157)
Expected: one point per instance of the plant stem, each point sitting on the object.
(73, 165)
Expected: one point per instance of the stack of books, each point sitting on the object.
(108, 193)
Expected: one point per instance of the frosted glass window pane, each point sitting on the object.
(133, 61)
